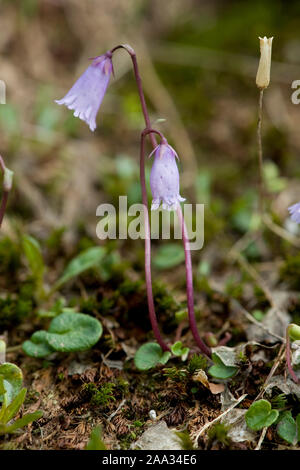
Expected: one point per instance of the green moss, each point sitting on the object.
(100, 396)
(9, 257)
(234, 288)
(13, 309)
(89, 305)
(197, 362)
(138, 424)
(130, 287)
(162, 298)
(186, 442)
(218, 432)
(177, 375)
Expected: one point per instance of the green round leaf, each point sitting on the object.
(287, 428)
(219, 370)
(177, 348)
(71, 331)
(168, 256)
(149, 355)
(37, 346)
(12, 381)
(260, 415)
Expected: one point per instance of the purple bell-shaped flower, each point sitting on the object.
(294, 211)
(164, 178)
(86, 95)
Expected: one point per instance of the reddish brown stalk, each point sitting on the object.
(138, 80)
(189, 274)
(189, 285)
(151, 307)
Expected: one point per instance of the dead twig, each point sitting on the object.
(210, 423)
(262, 436)
(238, 307)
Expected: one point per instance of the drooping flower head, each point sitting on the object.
(86, 95)
(164, 178)
(294, 211)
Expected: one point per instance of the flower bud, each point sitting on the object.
(294, 331)
(264, 66)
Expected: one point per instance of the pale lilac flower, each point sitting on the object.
(87, 93)
(294, 211)
(164, 178)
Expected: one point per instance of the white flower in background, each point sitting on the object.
(264, 66)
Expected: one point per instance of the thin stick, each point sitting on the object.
(254, 274)
(281, 232)
(117, 410)
(278, 360)
(261, 439)
(260, 154)
(238, 307)
(189, 285)
(210, 423)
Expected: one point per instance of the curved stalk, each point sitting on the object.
(189, 286)
(151, 307)
(189, 276)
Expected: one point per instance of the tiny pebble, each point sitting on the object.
(152, 415)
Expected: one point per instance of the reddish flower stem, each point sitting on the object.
(188, 263)
(138, 79)
(189, 285)
(151, 307)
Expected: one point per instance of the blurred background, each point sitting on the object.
(198, 61)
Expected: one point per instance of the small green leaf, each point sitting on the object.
(68, 332)
(95, 441)
(219, 370)
(165, 357)
(71, 331)
(287, 428)
(149, 355)
(12, 381)
(168, 256)
(2, 389)
(298, 427)
(85, 260)
(34, 257)
(260, 415)
(37, 346)
(7, 413)
(294, 331)
(178, 350)
(20, 423)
